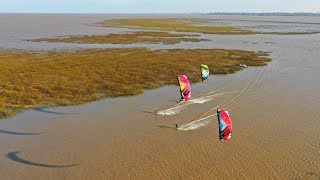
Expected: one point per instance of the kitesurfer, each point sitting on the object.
(176, 125)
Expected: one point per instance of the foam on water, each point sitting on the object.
(169, 112)
(196, 124)
(200, 100)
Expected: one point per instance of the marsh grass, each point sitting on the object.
(173, 24)
(30, 79)
(187, 25)
(130, 38)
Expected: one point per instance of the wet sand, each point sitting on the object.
(275, 112)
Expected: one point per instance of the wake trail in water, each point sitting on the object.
(210, 95)
(176, 109)
(196, 124)
(200, 99)
(233, 84)
(169, 112)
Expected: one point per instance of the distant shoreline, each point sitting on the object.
(200, 13)
(265, 14)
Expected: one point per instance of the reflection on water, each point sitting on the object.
(17, 133)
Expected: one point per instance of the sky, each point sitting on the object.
(157, 6)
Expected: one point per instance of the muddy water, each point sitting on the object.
(275, 111)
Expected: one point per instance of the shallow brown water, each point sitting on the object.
(275, 111)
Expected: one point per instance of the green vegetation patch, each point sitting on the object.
(30, 79)
(186, 25)
(172, 24)
(136, 37)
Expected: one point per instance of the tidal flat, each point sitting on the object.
(274, 108)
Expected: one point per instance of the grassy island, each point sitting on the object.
(187, 25)
(129, 38)
(31, 79)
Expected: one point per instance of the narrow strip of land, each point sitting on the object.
(129, 38)
(187, 25)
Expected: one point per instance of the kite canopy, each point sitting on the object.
(204, 72)
(225, 125)
(185, 88)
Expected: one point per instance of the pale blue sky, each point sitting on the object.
(158, 6)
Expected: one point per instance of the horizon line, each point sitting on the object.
(275, 12)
